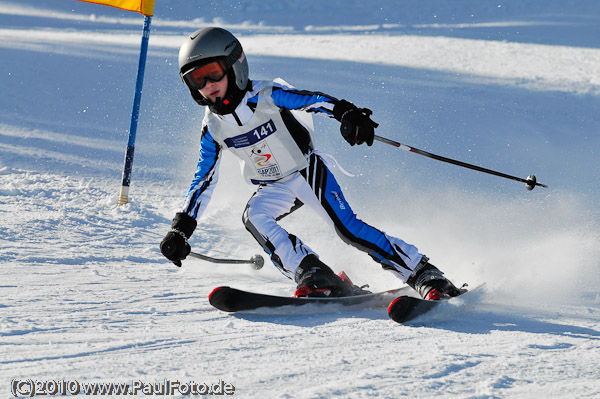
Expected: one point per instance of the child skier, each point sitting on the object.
(258, 122)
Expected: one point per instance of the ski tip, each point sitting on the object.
(216, 290)
(393, 304)
(404, 308)
(220, 298)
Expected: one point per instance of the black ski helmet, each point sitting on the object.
(212, 44)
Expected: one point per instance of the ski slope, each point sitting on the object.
(513, 86)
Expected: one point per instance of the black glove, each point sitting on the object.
(175, 245)
(357, 126)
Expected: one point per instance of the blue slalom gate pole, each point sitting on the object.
(135, 112)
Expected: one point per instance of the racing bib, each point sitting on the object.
(265, 147)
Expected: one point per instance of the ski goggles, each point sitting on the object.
(197, 78)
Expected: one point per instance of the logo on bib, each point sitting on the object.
(264, 161)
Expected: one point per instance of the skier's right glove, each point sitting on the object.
(175, 245)
(356, 127)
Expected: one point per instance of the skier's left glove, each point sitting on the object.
(356, 127)
(175, 245)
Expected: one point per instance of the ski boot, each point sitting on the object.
(316, 279)
(430, 282)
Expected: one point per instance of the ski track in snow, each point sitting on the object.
(86, 295)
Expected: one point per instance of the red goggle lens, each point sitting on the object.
(198, 77)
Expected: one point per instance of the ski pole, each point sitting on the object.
(256, 261)
(530, 181)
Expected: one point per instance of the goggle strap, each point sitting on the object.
(233, 57)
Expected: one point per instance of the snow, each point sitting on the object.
(509, 85)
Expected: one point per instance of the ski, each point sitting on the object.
(230, 299)
(406, 308)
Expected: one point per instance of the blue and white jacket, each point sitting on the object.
(219, 131)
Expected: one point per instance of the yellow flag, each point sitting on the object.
(145, 7)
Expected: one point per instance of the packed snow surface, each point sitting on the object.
(508, 85)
